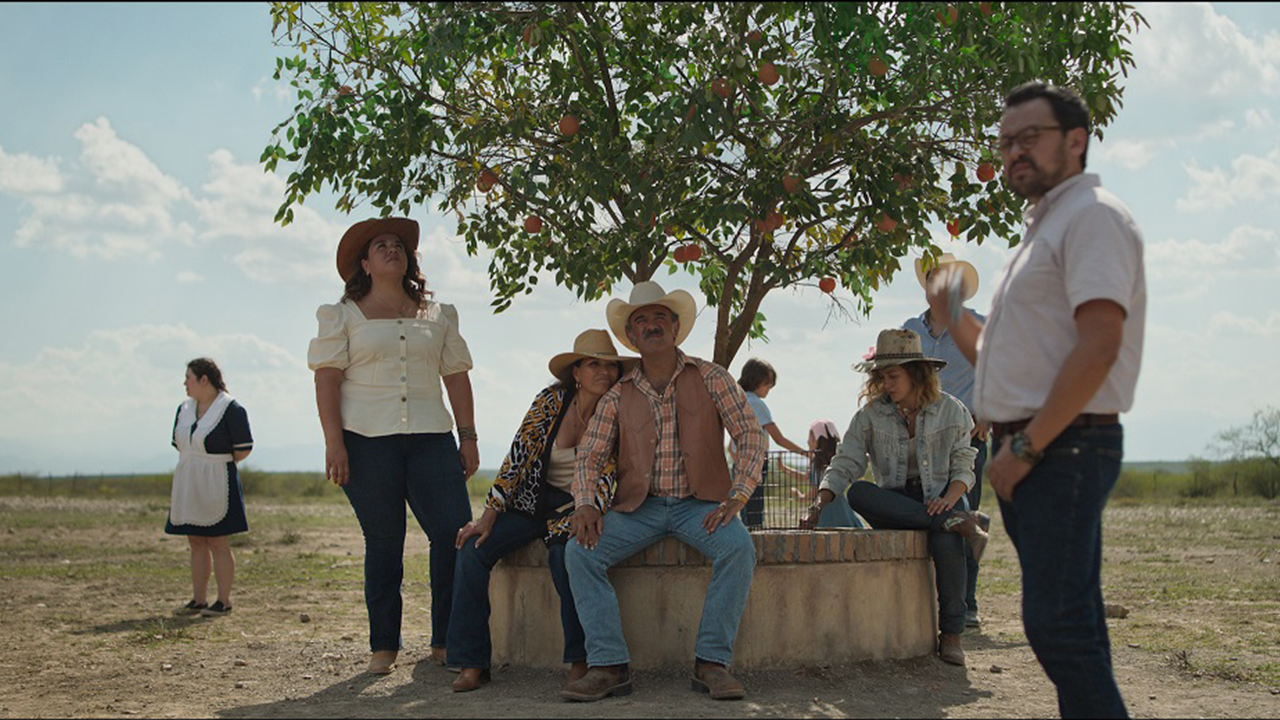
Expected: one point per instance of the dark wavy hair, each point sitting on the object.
(1069, 108)
(360, 283)
(204, 367)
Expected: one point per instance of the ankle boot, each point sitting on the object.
(967, 526)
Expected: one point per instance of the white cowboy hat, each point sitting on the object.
(651, 293)
(896, 346)
(970, 273)
(589, 344)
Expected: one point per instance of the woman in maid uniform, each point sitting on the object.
(211, 433)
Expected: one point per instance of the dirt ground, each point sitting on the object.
(86, 630)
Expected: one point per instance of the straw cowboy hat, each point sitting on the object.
(896, 346)
(970, 273)
(589, 344)
(651, 293)
(359, 235)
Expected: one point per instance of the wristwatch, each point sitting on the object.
(1020, 446)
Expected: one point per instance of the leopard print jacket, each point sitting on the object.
(520, 485)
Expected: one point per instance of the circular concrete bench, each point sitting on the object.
(817, 597)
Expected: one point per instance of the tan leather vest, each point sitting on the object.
(700, 433)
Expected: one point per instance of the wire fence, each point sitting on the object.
(788, 488)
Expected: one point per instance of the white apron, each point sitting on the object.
(201, 485)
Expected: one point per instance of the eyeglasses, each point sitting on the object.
(1024, 138)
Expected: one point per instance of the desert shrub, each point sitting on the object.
(1206, 480)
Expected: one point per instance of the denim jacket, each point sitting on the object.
(877, 432)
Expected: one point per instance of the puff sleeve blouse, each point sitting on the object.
(391, 368)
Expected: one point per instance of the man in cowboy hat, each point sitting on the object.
(666, 419)
(1055, 363)
(957, 380)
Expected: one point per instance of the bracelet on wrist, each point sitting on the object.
(467, 432)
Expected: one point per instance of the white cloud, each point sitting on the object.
(1251, 179)
(1258, 328)
(120, 205)
(121, 167)
(132, 377)
(186, 276)
(24, 174)
(267, 87)
(1189, 45)
(1129, 154)
(1215, 129)
(1258, 119)
(238, 205)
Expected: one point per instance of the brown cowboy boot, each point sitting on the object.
(715, 679)
(967, 526)
(470, 679)
(383, 662)
(577, 671)
(599, 683)
(950, 650)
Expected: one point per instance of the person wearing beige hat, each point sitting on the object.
(957, 380)
(380, 358)
(917, 438)
(665, 420)
(531, 499)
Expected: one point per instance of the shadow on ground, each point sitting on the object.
(924, 687)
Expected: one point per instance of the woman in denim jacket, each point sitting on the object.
(916, 438)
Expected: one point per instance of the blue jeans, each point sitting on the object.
(974, 497)
(469, 643)
(385, 472)
(733, 559)
(1055, 523)
(887, 509)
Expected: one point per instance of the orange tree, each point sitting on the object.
(755, 145)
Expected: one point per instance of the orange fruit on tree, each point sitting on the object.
(984, 8)
(769, 73)
(886, 223)
(692, 252)
(827, 285)
(569, 125)
(754, 37)
(986, 172)
(721, 87)
(953, 227)
(790, 183)
(487, 180)
(877, 67)
(774, 220)
(681, 254)
(533, 224)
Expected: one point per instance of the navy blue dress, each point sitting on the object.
(230, 434)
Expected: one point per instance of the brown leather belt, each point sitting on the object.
(1081, 420)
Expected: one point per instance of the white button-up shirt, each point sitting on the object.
(1081, 244)
(391, 368)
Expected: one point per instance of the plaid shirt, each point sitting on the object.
(600, 439)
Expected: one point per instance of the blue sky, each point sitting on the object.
(136, 234)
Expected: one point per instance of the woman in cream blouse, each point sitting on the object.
(379, 358)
